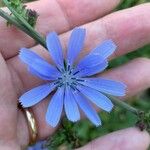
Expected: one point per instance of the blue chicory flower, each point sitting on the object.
(70, 82)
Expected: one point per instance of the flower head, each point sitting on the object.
(73, 88)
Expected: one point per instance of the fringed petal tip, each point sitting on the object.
(22, 53)
(36, 94)
(97, 98)
(86, 107)
(27, 56)
(106, 48)
(111, 87)
(22, 104)
(70, 105)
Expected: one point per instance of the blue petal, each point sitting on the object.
(89, 71)
(107, 86)
(87, 108)
(27, 56)
(105, 49)
(71, 107)
(76, 44)
(91, 60)
(38, 65)
(37, 74)
(55, 108)
(45, 69)
(97, 98)
(35, 95)
(96, 57)
(55, 49)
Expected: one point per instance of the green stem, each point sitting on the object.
(24, 24)
(13, 21)
(124, 105)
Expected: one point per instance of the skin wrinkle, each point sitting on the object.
(16, 81)
(23, 137)
(64, 12)
(107, 34)
(50, 20)
(83, 10)
(131, 24)
(128, 23)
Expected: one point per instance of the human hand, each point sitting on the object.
(123, 27)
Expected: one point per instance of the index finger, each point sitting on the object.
(58, 15)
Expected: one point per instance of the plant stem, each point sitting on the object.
(13, 21)
(124, 105)
(25, 26)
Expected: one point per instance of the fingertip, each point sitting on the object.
(126, 139)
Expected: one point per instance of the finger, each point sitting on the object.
(9, 113)
(23, 132)
(127, 139)
(128, 28)
(136, 79)
(58, 15)
(137, 34)
(8, 105)
(134, 74)
(123, 27)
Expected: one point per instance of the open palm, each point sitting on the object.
(130, 29)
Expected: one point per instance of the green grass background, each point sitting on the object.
(117, 119)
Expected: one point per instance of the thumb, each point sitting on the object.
(127, 139)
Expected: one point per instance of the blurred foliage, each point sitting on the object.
(1, 3)
(141, 52)
(83, 132)
(130, 3)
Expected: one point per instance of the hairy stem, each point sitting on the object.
(13, 21)
(124, 105)
(23, 25)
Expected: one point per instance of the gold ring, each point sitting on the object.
(32, 126)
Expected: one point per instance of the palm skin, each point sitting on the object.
(123, 27)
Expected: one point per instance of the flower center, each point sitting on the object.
(67, 78)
